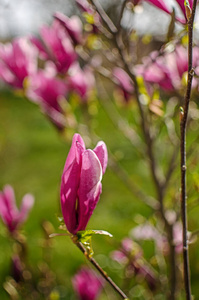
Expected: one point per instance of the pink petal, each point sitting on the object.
(73, 26)
(102, 153)
(70, 183)
(90, 187)
(8, 209)
(27, 203)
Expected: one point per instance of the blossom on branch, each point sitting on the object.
(72, 25)
(46, 90)
(131, 256)
(17, 61)
(55, 45)
(11, 216)
(87, 284)
(81, 183)
(80, 80)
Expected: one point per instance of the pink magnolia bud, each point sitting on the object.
(81, 183)
(11, 216)
(87, 284)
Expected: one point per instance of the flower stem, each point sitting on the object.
(101, 271)
(183, 125)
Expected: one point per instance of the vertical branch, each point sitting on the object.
(183, 125)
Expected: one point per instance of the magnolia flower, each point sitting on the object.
(47, 90)
(56, 46)
(11, 216)
(72, 25)
(87, 284)
(17, 60)
(80, 80)
(81, 183)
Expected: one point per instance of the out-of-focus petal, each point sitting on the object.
(87, 284)
(73, 26)
(27, 203)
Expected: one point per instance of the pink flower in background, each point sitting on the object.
(124, 81)
(81, 183)
(154, 70)
(47, 90)
(11, 216)
(17, 61)
(56, 46)
(167, 69)
(80, 80)
(149, 232)
(131, 256)
(72, 25)
(87, 284)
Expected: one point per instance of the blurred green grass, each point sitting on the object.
(32, 156)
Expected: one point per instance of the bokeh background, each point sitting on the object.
(32, 156)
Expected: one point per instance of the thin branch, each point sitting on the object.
(183, 126)
(102, 272)
(104, 16)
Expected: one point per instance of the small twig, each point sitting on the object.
(111, 26)
(183, 125)
(102, 272)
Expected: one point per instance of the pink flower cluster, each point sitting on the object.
(11, 216)
(166, 69)
(61, 74)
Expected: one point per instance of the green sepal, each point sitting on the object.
(85, 237)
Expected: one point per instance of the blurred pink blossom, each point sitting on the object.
(87, 284)
(11, 216)
(46, 90)
(56, 45)
(81, 183)
(72, 25)
(167, 69)
(80, 80)
(17, 61)
(131, 255)
(149, 232)
(124, 81)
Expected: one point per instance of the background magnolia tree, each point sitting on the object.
(86, 82)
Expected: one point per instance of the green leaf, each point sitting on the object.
(85, 237)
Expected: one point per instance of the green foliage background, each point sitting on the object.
(32, 156)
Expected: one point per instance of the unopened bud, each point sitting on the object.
(187, 9)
